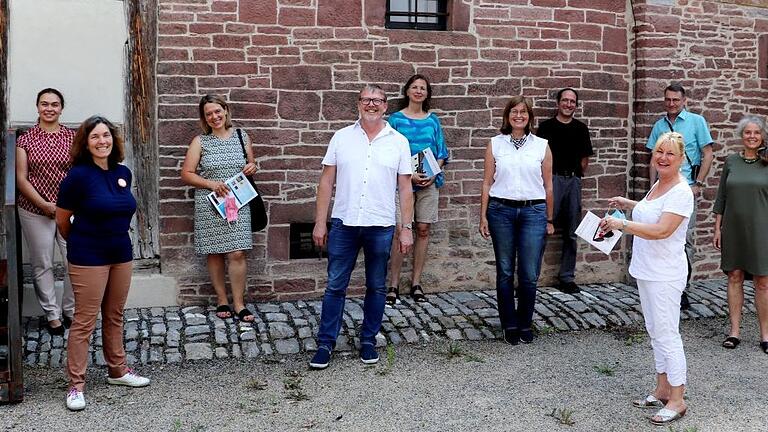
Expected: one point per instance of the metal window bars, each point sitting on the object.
(435, 17)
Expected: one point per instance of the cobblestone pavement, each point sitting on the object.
(186, 334)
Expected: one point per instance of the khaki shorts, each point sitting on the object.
(424, 207)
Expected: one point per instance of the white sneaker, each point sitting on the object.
(75, 400)
(130, 379)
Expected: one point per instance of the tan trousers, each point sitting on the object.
(97, 288)
(41, 237)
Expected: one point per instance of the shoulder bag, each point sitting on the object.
(258, 211)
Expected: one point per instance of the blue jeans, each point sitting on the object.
(517, 233)
(344, 243)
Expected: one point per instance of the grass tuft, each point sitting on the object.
(564, 416)
(606, 369)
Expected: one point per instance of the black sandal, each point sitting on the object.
(731, 342)
(417, 294)
(764, 346)
(223, 309)
(244, 314)
(393, 296)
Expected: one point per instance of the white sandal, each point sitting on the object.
(667, 416)
(650, 401)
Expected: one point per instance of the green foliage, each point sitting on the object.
(606, 369)
(564, 416)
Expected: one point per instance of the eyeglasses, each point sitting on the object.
(518, 113)
(374, 101)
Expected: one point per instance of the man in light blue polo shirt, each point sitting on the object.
(698, 156)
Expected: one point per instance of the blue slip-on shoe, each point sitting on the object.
(368, 354)
(321, 358)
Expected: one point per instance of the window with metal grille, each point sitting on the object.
(417, 14)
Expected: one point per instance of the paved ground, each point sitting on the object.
(181, 335)
(581, 377)
(442, 369)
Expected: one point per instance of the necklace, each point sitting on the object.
(518, 142)
(748, 160)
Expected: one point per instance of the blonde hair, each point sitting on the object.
(214, 99)
(675, 138)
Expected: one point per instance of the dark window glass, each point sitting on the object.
(417, 14)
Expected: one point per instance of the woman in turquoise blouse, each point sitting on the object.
(423, 131)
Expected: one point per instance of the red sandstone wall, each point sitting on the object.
(711, 47)
(291, 69)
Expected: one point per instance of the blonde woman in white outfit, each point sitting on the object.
(659, 264)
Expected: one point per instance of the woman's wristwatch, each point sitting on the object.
(624, 223)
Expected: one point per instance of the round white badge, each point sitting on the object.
(122, 182)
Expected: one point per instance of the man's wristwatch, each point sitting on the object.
(408, 226)
(699, 183)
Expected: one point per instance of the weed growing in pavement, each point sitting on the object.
(634, 339)
(297, 395)
(257, 384)
(176, 427)
(390, 361)
(606, 369)
(564, 416)
(293, 388)
(547, 330)
(454, 350)
(292, 383)
(472, 357)
(390, 355)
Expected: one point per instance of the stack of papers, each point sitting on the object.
(589, 230)
(240, 188)
(424, 162)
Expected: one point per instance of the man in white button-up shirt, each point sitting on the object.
(369, 161)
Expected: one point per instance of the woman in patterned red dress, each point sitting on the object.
(42, 162)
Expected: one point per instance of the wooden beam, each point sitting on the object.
(140, 124)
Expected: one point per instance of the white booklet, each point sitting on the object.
(424, 162)
(589, 230)
(240, 188)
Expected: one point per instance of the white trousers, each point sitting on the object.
(42, 236)
(660, 302)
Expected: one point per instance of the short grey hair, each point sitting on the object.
(755, 120)
(374, 88)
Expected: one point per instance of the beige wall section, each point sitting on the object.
(147, 290)
(76, 46)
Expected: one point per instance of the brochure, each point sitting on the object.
(240, 187)
(589, 230)
(424, 162)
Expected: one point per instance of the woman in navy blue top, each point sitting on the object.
(93, 212)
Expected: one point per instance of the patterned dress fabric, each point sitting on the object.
(220, 159)
(47, 162)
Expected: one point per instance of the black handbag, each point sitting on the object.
(258, 211)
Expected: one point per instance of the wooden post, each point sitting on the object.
(140, 127)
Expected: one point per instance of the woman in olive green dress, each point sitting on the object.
(741, 212)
